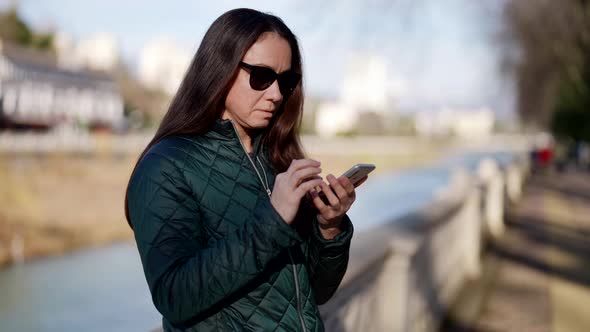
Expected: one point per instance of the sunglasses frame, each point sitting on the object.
(282, 78)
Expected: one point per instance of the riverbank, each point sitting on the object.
(51, 204)
(54, 204)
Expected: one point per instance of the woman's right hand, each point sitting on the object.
(292, 185)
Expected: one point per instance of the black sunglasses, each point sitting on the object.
(262, 77)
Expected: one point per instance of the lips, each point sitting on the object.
(268, 111)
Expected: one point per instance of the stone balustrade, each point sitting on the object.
(404, 274)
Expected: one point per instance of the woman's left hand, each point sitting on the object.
(341, 196)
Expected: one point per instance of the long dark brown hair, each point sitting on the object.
(200, 99)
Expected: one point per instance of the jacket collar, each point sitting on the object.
(224, 130)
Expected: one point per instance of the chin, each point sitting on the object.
(261, 124)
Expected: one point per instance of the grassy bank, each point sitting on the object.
(54, 204)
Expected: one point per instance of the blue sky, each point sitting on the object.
(441, 50)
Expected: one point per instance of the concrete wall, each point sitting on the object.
(404, 275)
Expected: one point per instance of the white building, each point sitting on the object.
(365, 85)
(365, 88)
(463, 123)
(162, 65)
(99, 52)
(34, 91)
(334, 118)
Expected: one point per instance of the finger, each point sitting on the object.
(307, 186)
(313, 178)
(316, 188)
(337, 187)
(332, 198)
(318, 202)
(299, 176)
(346, 184)
(298, 164)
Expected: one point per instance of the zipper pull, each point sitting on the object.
(268, 192)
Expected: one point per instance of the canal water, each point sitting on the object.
(92, 290)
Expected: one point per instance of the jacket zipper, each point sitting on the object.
(267, 187)
(268, 192)
(299, 309)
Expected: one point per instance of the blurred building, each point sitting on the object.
(335, 118)
(162, 65)
(365, 85)
(365, 93)
(36, 93)
(463, 123)
(99, 52)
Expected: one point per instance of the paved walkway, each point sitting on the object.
(537, 276)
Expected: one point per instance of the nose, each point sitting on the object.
(273, 93)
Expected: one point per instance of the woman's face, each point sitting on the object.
(250, 109)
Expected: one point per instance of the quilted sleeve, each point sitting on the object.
(328, 260)
(185, 278)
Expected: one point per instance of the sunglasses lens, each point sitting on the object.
(261, 78)
(287, 82)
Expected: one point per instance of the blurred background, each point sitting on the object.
(419, 88)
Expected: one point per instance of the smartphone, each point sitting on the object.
(355, 174)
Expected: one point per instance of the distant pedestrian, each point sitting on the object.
(542, 153)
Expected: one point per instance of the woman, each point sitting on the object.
(228, 236)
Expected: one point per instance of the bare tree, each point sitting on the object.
(547, 44)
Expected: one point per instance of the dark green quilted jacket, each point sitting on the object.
(216, 254)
